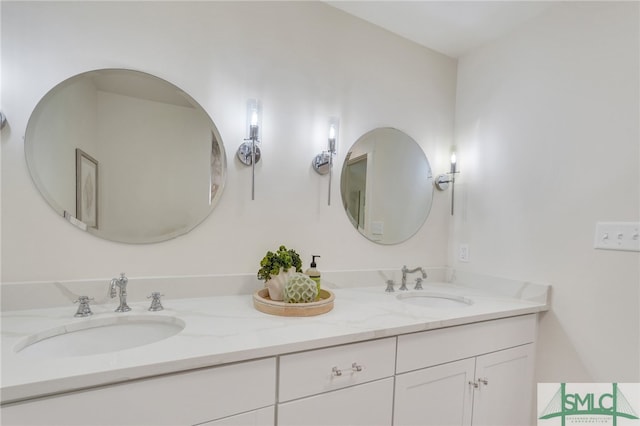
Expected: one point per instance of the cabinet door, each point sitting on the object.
(438, 396)
(262, 417)
(365, 405)
(506, 398)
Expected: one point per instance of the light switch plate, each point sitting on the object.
(617, 236)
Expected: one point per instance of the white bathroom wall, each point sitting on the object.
(305, 61)
(547, 130)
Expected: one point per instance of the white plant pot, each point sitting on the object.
(277, 282)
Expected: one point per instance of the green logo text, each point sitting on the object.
(564, 404)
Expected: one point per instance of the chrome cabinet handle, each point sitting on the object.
(476, 384)
(355, 367)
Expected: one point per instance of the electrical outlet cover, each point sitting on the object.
(463, 253)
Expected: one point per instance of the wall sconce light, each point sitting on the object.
(443, 180)
(323, 162)
(249, 152)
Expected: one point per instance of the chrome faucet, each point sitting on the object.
(121, 283)
(389, 288)
(406, 271)
(156, 304)
(84, 310)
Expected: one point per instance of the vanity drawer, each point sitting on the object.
(428, 348)
(313, 372)
(363, 405)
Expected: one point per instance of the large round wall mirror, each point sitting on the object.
(125, 156)
(386, 186)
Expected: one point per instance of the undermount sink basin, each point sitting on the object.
(96, 336)
(434, 300)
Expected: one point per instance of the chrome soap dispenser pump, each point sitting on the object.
(313, 273)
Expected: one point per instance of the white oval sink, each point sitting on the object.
(434, 300)
(96, 336)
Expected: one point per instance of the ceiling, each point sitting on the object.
(449, 27)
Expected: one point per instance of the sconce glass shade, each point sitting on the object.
(442, 181)
(249, 150)
(322, 162)
(254, 119)
(334, 127)
(333, 132)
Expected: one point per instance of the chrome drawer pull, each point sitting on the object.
(474, 384)
(484, 381)
(355, 367)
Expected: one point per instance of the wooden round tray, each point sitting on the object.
(263, 303)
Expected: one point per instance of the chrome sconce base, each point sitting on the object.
(442, 182)
(322, 163)
(245, 153)
(249, 154)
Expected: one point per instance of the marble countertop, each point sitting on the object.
(225, 329)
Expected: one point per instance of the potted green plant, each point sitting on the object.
(276, 268)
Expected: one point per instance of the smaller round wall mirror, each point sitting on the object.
(386, 186)
(125, 156)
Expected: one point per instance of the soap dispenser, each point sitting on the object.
(313, 273)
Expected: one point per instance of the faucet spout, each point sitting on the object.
(120, 284)
(406, 271)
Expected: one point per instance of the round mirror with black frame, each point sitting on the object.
(125, 155)
(386, 186)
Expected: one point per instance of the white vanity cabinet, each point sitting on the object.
(187, 398)
(260, 417)
(480, 374)
(472, 374)
(343, 385)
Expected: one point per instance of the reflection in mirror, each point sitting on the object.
(125, 155)
(386, 186)
(356, 185)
